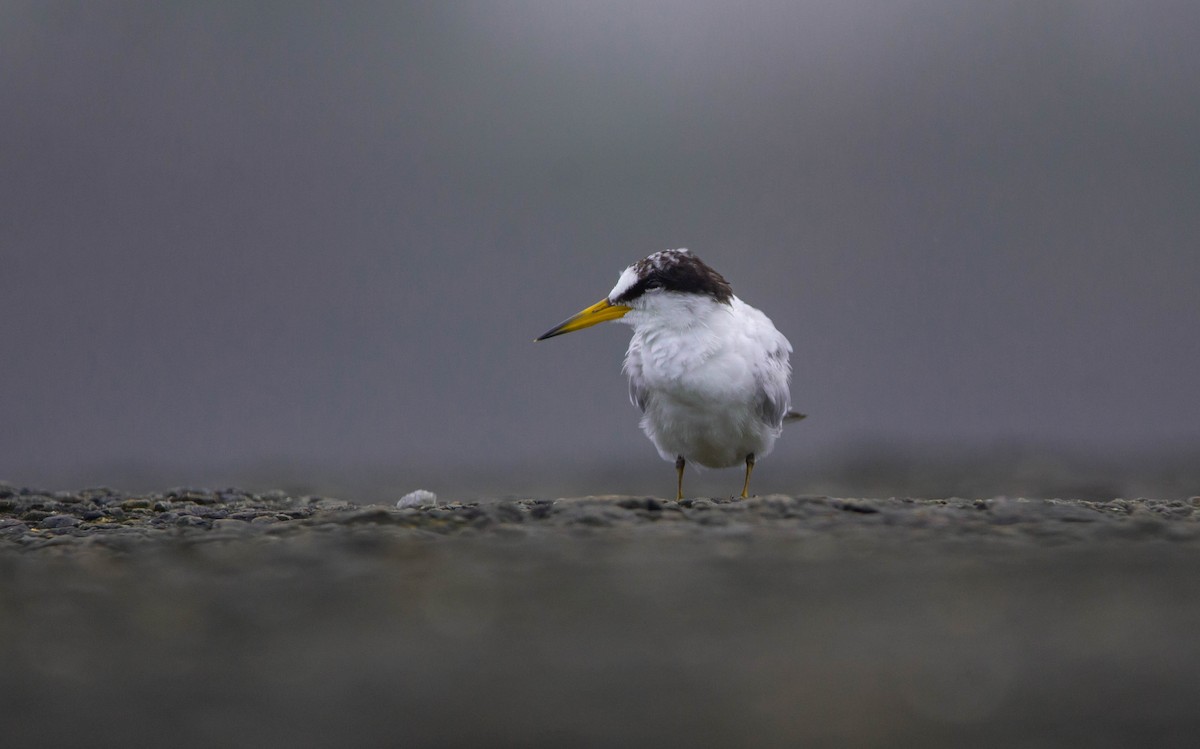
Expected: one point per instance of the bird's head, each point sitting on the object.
(671, 283)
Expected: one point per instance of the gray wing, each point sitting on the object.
(638, 394)
(773, 376)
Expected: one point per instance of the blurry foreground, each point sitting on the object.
(227, 619)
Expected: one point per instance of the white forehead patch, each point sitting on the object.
(628, 278)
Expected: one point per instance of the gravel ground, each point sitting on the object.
(223, 618)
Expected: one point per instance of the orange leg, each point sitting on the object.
(749, 468)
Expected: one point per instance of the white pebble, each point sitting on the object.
(419, 498)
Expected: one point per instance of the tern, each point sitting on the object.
(709, 372)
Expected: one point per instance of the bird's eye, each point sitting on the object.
(653, 283)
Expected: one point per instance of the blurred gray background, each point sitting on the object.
(301, 244)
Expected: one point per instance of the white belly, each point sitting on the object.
(716, 435)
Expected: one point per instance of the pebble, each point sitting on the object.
(59, 521)
(508, 512)
(418, 498)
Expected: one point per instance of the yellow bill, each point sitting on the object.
(599, 312)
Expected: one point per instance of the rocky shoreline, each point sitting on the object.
(104, 518)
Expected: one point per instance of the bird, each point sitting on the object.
(710, 374)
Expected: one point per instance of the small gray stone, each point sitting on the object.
(368, 515)
(860, 506)
(508, 512)
(59, 521)
(12, 526)
(640, 503)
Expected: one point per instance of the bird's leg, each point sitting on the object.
(749, 468)
(679, 463)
